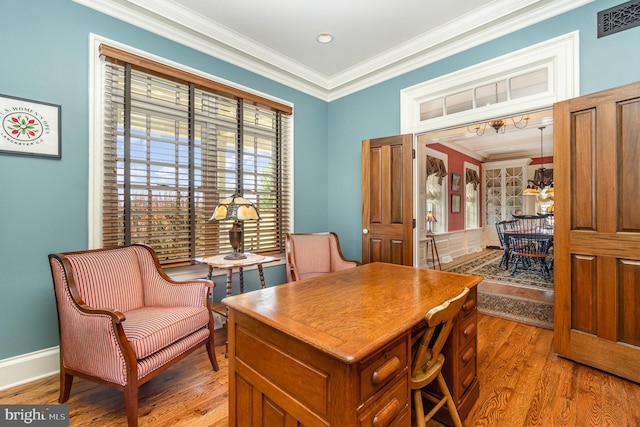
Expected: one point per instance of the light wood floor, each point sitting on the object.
(522, 383)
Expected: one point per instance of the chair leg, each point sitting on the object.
(211, 351)
(66, 380)
(418, 408)
(131, 404)
(450, 404)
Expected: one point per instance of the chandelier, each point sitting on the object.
(542, 181)
(500, 125)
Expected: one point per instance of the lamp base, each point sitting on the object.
(235, 256)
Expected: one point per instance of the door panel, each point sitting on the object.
(597, 230)
(387, 200)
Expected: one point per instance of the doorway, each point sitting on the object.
(506, 160)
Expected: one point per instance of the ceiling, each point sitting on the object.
(514, 143)
(374, 40)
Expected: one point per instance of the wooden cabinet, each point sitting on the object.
(335, 350)
(504, 183)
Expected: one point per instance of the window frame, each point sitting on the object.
(97, 122)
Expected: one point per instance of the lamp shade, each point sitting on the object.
(235, 208)
(431, 217)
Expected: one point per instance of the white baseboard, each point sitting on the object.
(29, 367)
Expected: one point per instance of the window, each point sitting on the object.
(472, 196)
(436, 189)
(175, 144)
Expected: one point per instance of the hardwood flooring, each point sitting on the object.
(522, 383)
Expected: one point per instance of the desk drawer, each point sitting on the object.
(390, 406)
(467, 330)
(470, 304)
(382, 367)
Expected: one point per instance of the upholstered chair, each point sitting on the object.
(313, 254)
(122, 320)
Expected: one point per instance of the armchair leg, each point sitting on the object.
(131, 404)
(211, 351)
(66, 380)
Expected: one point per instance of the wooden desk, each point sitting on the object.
(333, 350)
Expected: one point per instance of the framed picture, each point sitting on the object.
(455, 182)
(455, 203)
(29, 128)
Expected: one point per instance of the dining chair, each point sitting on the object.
(501, 228)
(427, 361)
(122, 320)
(313, 254)
(529, 250)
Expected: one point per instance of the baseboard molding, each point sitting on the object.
(29, 367)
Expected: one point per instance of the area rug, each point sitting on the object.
(487, 266)
(511, 307)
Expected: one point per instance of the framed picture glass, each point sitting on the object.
(455, 182)
(455, 203)
(29, 128)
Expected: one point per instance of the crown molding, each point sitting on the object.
(195, 31)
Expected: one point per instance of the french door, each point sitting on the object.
(597, 230)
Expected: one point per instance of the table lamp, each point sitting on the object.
(237, 209)
(431, 218)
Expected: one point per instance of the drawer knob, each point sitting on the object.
(468, 355)
(469, 305)
(469, 330)
(388, 369)
(468, 380)
(387, 413)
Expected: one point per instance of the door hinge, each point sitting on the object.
(414, 223)
(413, 152)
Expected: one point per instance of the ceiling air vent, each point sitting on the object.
(619, 18)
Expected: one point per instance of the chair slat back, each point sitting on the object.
(439, 323)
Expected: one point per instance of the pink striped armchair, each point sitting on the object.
(122, 320)
(313, 254)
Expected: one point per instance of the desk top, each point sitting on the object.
(352, 313)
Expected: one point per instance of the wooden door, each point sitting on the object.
(597, 230)
(387, 200)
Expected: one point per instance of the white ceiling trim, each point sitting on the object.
(212, 39)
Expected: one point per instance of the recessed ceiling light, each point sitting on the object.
(324, 38)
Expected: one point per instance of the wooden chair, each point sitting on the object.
(530, 242)
(427, 361)
(122, 320)
(313, 254)
(529, 250)
(501, 228)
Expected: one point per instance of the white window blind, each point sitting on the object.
(173, 149)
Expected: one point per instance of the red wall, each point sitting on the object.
(456, 165)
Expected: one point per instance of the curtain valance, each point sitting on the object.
(436, 167)
(472, 177)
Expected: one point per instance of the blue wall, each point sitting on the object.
(43, 202)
